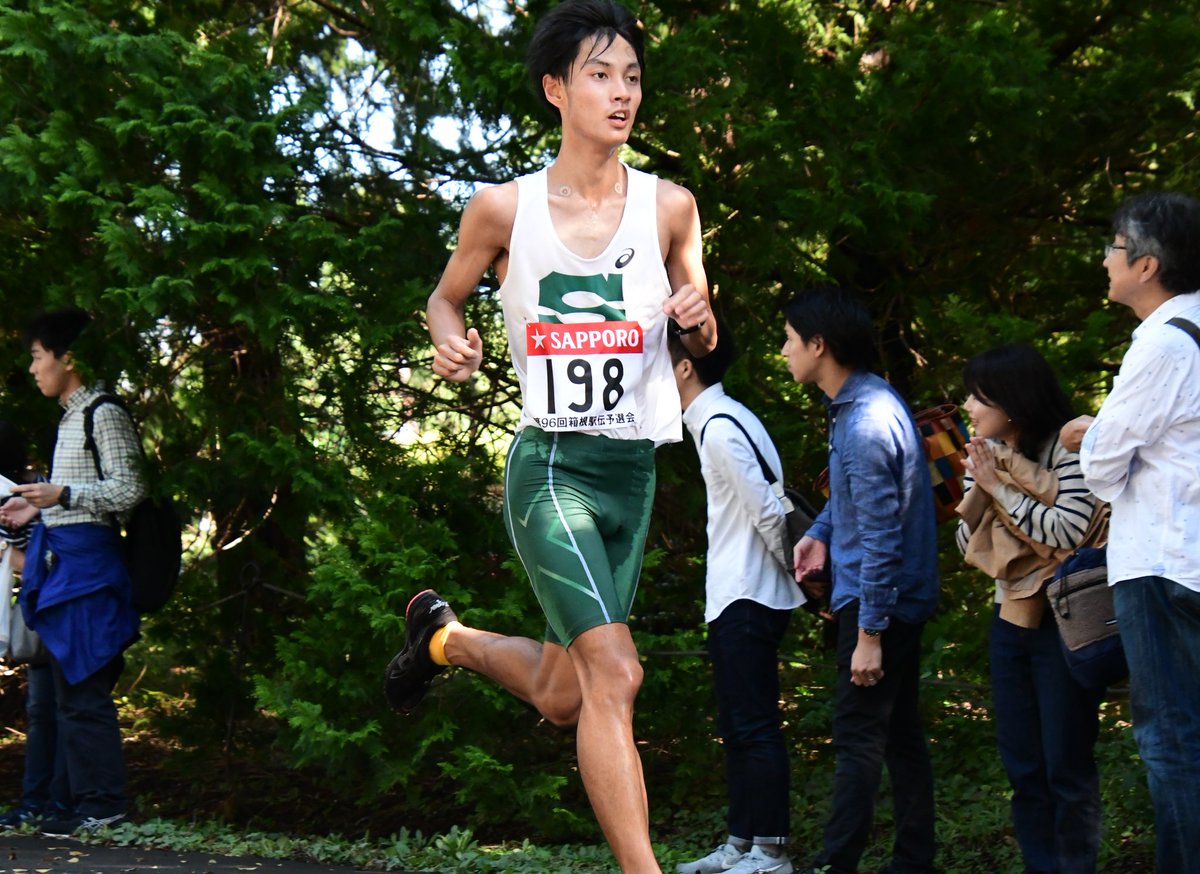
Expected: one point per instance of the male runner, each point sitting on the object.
(596, 262)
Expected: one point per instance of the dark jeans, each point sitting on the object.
(45, 780)
(90, 739)
(873, 725)
(1160, 629)
(1046, 728)
(743, 643)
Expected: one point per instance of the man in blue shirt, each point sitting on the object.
(878, 534)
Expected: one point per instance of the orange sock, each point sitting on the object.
(437, 644)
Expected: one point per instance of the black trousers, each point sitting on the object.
(743, 643)
(90, 739)
(874, 725)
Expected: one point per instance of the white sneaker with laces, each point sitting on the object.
(720, 860)
(75, 824)
(758, 862)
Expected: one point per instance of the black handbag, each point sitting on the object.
(799, 513)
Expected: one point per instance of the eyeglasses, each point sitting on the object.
(1109, 248)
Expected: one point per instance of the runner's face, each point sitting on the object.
(604, 92)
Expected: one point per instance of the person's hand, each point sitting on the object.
(1071, 434)
(458, 357)
(981, 463)
(39, 494)
(866, 665)
(16, 512)
(688, 307)
(808, 559)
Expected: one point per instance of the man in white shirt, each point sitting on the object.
(749, 595)
(1142, 454)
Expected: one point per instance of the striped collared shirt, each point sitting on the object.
(94, 498)
(1061, 525)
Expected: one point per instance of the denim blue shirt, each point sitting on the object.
(879, 521)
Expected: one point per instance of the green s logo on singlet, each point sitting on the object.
(560, 295)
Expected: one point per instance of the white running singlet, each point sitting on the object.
(588, 336)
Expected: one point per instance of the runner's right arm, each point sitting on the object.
(483, 236)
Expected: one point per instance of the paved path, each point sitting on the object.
(32, 854)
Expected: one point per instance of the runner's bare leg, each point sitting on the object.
(540, 674)
(593, 684)
(610, 675)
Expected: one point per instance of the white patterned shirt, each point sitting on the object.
(1142, 454)
(95, 499)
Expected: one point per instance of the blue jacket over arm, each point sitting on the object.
(81, 604)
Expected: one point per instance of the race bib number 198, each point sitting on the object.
(580, 376)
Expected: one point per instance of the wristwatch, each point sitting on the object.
(64, 498)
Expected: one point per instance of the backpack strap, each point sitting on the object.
(89, 426)
(1187, 327)
(762, 462)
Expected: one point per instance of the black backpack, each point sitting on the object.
(153, 544)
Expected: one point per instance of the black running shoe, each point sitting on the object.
(408, 675)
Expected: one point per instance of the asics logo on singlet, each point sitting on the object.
(564, 299)
(624, 258)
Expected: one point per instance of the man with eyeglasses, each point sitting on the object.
(1142, 454)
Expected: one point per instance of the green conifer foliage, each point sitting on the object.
(256, 198)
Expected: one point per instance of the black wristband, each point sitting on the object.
(679, 332)
(64, 498)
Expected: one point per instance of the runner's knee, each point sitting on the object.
(560, 711)
(616, 680)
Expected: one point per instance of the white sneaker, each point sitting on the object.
(76, 824)
(758, 862)
(720, 860)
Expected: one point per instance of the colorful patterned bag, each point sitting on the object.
(945, 435)
(946, 439)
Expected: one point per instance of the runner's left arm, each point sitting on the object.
(688, 304)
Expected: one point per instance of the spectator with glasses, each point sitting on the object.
(1141, 453)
